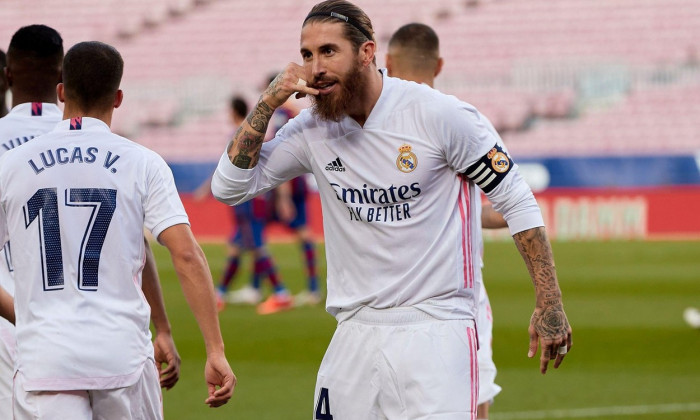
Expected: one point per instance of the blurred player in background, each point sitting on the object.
(289, 207)
(74, 205)
(3, 85)
(414, 54)
(249, 220)
(399, 221)
(34, 70)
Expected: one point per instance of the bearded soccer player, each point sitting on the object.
(403, 278)
(76, 224)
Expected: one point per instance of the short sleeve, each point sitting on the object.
(472, 145)
(163, 207)
(475, 150)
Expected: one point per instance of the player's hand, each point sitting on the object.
(550, 329)
(290, 81)
(220, 380)
(167, 360)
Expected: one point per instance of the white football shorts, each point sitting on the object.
(398, 363)
(142, 401)
(487, 368)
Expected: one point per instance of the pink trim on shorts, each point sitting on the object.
(474, 371)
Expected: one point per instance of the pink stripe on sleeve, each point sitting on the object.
(463, 215)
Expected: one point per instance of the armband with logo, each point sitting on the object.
(490, 170)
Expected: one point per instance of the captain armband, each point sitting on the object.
(490, 169)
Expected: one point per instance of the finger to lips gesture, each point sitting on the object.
(288, 82)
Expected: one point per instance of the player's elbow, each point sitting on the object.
(188, 254)
(224, 192)
(225, 198)
(181, 244)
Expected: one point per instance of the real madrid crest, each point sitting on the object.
(499, 160)
(407, 160)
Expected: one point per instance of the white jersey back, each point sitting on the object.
(399, 218)
(74, 203)
(21, 124)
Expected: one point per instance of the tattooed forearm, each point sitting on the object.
(274, 88)
(229, 148)
(248, 142)
(242, 161)
(549, 319)
(549, 328)
(260, 117)
(537, 253)
(244, 150)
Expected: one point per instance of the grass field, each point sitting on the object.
(633, 356)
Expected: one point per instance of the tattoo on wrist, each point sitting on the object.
(260, 117)
(537, 253)
(273, 89)
(248, 143)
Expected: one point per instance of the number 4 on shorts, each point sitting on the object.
(323, 406)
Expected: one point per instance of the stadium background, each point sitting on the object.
(597, 100)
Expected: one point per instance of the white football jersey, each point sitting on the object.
(399, 217)
(74, 203)
(21, 124)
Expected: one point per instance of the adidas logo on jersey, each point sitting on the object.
(335, 165)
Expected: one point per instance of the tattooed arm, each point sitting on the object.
(549, 326)
(244, 149)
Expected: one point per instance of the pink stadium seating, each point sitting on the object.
(521, 62)
(651, 121)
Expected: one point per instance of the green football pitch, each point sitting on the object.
(633, 355)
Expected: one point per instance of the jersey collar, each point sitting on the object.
(379, 111)
(82, 124)
(30, 109)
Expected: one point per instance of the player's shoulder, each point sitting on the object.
(9, 124)
(407, 94)
(126, 147)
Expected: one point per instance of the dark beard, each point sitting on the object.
(334, 107)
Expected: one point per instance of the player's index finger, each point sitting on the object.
(308, 90)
